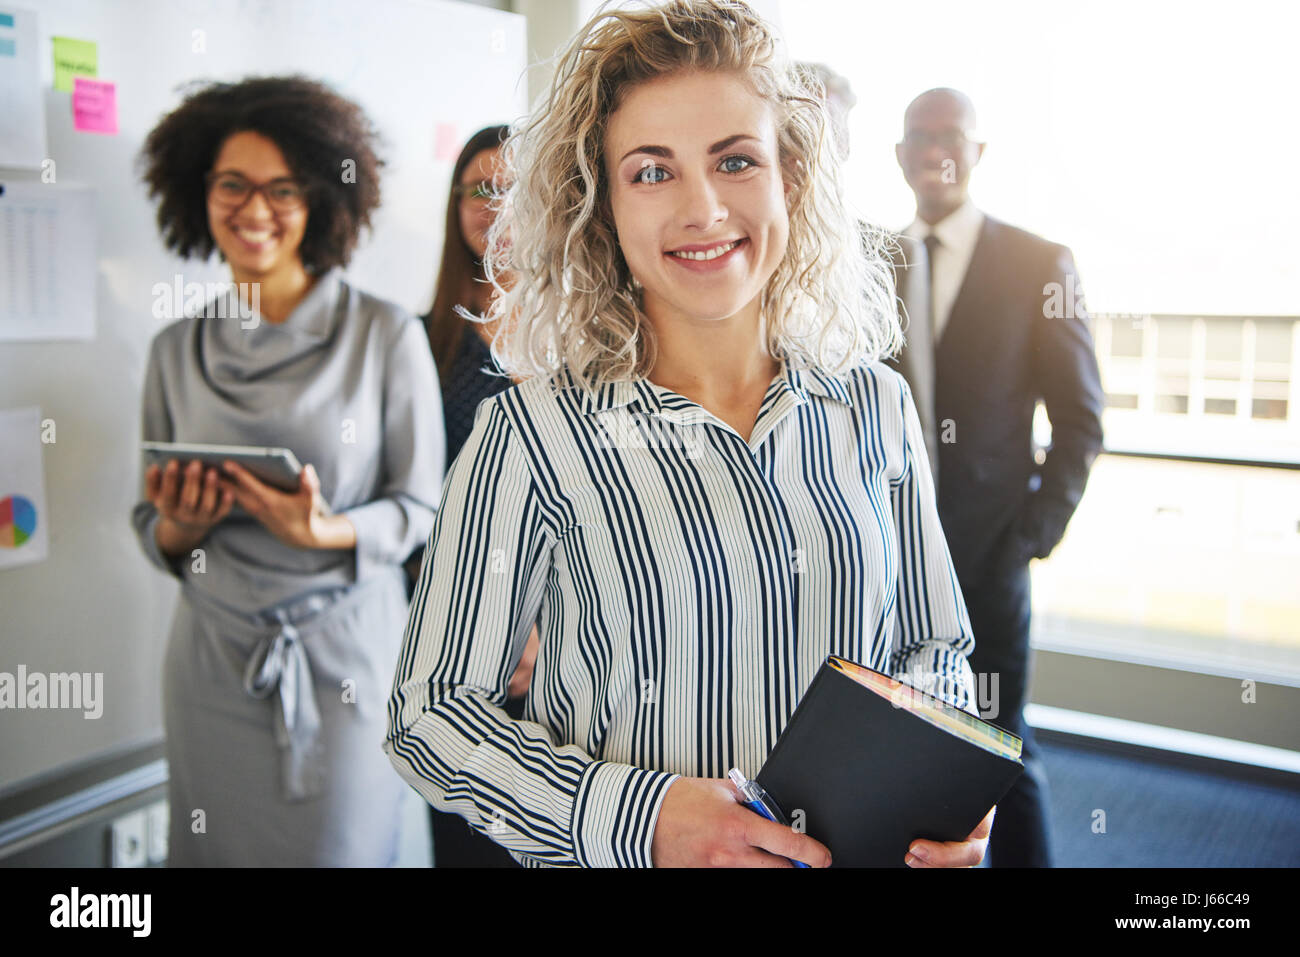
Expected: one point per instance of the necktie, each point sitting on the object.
(932, 244)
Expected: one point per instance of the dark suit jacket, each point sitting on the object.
(1001, 351)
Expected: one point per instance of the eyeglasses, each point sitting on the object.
(951, 140)
(232, 191)
(482, 192)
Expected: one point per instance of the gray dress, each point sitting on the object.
(280, 660)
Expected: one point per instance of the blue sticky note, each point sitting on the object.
(6, 19)
(7, 47)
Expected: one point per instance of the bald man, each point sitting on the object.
(1001, 326)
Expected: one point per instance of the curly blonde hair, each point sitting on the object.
(561, 274)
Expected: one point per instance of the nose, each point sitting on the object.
(926, 153)
(935, 154)
(702, 207)
(256, 207)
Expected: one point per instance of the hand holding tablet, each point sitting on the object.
(189, 502)
(267, 483)
(277, 467)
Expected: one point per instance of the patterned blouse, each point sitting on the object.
(687, 584)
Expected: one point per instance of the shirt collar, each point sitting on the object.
(642, 395)
(808, 382)
(957, 230)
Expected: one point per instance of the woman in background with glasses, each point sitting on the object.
(283, 643)
(460, 347)
(468, 375)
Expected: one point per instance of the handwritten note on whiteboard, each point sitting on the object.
(94, 106)
(73, 58)
(47, 261)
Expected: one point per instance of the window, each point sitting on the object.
(1268, 408)
(1220, 406)
(1110, 181)
(1273, 342)
(1172, 393)
(1174, 338)
(1171, 558)
(1272, 368)
(1125, 338)
(1197, 559)
(1223, 341)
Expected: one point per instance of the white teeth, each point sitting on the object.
(713, 253)
(259, 236)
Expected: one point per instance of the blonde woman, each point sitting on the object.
(705, 485)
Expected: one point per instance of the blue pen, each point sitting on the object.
(759, 801)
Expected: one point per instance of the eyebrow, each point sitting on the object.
(243, 175)
(717, 147)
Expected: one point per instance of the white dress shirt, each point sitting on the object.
(958, 232)
(687, 584)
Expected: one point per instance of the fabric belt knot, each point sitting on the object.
(270, 647)
(279, 665)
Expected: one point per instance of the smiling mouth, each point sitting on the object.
(255, 237)
(704, 255)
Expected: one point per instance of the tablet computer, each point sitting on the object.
(276, 467)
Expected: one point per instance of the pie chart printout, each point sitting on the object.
(17, 521)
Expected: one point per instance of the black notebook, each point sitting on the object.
(867, 765)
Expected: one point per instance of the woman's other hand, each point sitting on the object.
(967, 853)
(301, 518)
(703, 824)
(189, 501)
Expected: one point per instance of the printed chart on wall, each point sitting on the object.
(47, 261)
(22, 114)
(24, 521)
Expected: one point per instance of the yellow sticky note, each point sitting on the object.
(74, 58)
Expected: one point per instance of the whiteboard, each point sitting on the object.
(419, 68)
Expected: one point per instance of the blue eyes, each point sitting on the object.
(652, 175)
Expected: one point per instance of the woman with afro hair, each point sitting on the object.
(283, 643)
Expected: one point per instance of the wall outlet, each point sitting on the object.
(158, 823)
(129, 848)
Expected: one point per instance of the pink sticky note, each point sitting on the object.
(94, 105)
(446, 142)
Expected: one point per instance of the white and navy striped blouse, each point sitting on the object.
(687, 585)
